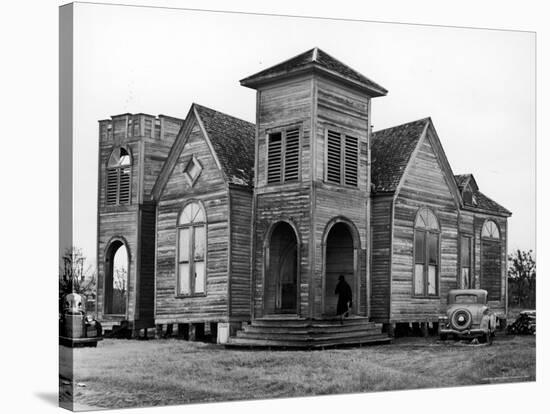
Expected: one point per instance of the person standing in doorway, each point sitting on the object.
(343, 290)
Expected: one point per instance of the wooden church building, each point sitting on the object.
(241, 230)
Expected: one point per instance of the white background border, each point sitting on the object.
(29, 207)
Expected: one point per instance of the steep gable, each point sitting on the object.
(231, 141)
(391, 150)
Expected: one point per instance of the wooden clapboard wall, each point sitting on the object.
(342, 111)
(211, 190)
(381, 245)
(423, 185)
(240, 211)
(286, 105)
(491, 276)
(148, 140)
(118, 221)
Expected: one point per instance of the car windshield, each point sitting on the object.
(465, 299)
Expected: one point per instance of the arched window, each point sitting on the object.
(491, 260)
(191, 251)
(118, 177)
(490, 230)
(426, 254)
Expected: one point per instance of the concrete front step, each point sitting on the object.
(262, 343)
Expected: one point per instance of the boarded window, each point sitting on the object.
(191, 268)
(334, 157)
(351, 159)
(119, 171)
(283, 156)
(426, 254)
(491, 261)
(342, 165)
(274, 158)
(292, 155)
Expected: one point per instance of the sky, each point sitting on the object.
(477, 85)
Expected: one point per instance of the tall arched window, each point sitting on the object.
(118, 177)
(191, 251)
(426, 254)
(491, 260)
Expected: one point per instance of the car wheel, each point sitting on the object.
(443, 336)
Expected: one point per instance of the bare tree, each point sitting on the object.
(522, 278)
(75, 276)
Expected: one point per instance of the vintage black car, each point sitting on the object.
(468, 316)
(75, 327)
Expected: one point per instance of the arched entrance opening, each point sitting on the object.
(116, 279)
(281, 281)
(340, 259)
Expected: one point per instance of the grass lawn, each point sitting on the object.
(130, 373)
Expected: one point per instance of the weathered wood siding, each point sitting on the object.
(211, 190)
(471, 224)
(135, 222)
(118, 221)
(120, 224)
(156, 151)
(346, 111)
(424, 185)
(331, 203)
(293, 205)
(240, 202)
(381, 257)
(343, 110)
(285, 104)
(480, 218)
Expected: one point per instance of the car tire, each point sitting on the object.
(443, 336)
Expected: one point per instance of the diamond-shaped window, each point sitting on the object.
(192, 170)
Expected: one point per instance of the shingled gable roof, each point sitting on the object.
(231, 139)
(482, 202)
(391, 150)
(315, 59)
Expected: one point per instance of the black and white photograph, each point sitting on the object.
(295, 211)
(256, 206)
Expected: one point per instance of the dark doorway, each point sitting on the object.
(281, 285)
(339, 260)
(116, 279)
